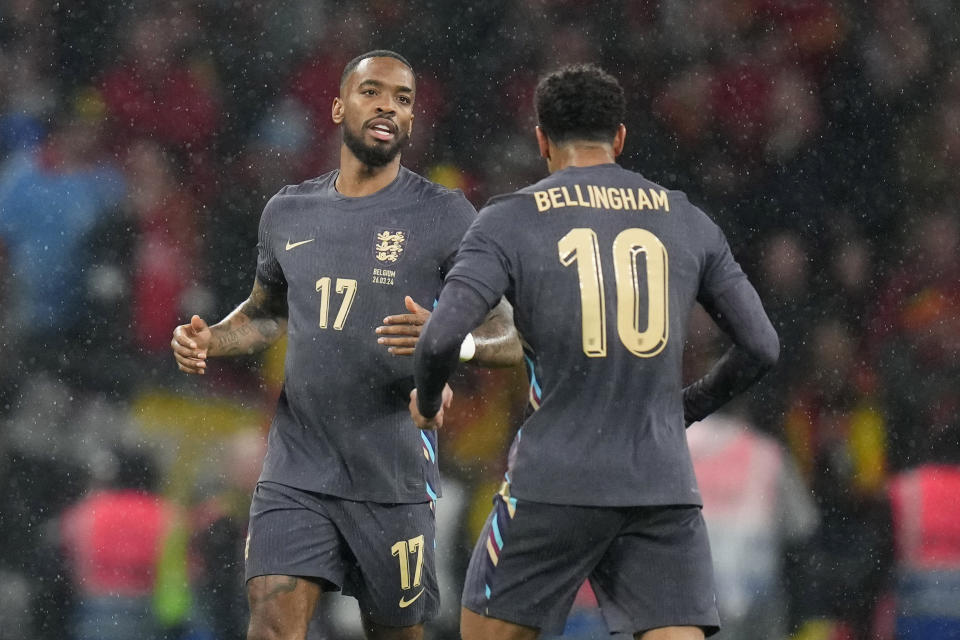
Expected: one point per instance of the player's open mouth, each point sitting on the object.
(382, 129)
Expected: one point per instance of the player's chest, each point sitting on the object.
(381, 250)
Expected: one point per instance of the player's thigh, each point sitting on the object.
(280, 606)
(474, 626)
(292, 533)
(532, 558)
(374, 631)
(393, 576)
(658, 574)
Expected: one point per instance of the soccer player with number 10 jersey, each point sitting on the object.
(603, 268)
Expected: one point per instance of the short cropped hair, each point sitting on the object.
(376, 53)
(580, 102)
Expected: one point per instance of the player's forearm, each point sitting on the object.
(497, 340)
(435, 360)
(733, 374)
(756, 350)
(459, 310)
(246, 330)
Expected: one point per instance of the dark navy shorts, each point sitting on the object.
(649, 567)
(382, 554)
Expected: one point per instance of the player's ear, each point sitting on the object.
(619, 139)
(337, 111)
(410, 127)
(543, 143)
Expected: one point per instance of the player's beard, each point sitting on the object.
(374, 155)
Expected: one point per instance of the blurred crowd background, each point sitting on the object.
(140, 140)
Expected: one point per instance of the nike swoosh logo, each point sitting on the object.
(291, 245)
(404, 603)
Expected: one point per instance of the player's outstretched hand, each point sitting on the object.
(400, 332)
(436, 421)
(190, 344)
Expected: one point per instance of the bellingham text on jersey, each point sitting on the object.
(602, 197)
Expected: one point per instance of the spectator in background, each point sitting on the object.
(755, 505)
(52, 197)
(929, 149)
(158, 94)
(785, 284)
(40, 477)
(112, 540)
(153, 81)
(838, 434)
(220, 528)
(27, 63)
(915, 329)
(27, 99)
(276, 153)
(847, 283)
(253, 77)
(166, 251)
(927, 540)
(897, 50)
(832, 422)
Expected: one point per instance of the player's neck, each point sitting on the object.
(357, 179)
(579, 155)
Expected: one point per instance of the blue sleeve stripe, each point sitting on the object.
(536, 393)
(428, 446)
(496, 532)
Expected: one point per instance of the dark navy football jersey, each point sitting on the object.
(603, 268)
(342, 426)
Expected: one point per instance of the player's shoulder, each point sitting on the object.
(446, 204)
(313, 186)
(679, 202)
(308, 187)
(506, 201)
(516, 201)
(427, 189)
(288, 194)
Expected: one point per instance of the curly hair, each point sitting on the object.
(376, 53)
(580, 102)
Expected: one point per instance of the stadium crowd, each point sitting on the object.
(139, 142)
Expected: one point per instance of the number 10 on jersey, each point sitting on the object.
(581, 246)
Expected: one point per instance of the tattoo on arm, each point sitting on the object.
(263, 589)
(254, 325)
(230, 339)
(286, 584)
(265, 302)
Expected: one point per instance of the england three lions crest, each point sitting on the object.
(390, 245)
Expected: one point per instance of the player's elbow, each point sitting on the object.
(766, 348)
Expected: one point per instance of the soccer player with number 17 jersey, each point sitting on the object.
(346, 497)
(603, 268)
